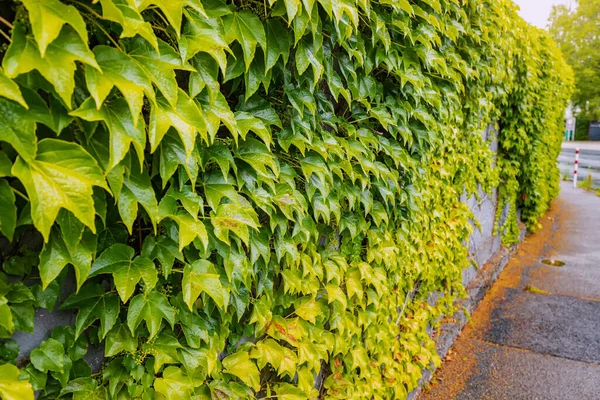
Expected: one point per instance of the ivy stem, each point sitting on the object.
(5, 22)
(5, 36)
(18, 192)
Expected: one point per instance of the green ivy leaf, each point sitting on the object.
(13, 388)
(120, 70)
(247, 122)
(159, 64)
(127, 271)
(93, 303)
(235, 218)
(164, 249)
(186, 118)
(200, 277)
(240, 365)
(248, 31)
(278, 43)
(58, 63)
(85, 389)
(10, 90)
(8, 210)
(64, 172)
(123, 131)
(6, 319)
(47, 18)
(56, 255)
(49, 356)
(17, 129)
(130, 190)
(205, 35)
(120, 339)
(174, 384)
(152, 307)
(5, 165)
(128, 16)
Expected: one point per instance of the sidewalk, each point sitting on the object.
(541, 343)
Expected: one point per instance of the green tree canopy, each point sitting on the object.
(577, 31)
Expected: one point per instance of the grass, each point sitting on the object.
(587, 184)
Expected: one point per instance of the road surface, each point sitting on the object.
(536, 334)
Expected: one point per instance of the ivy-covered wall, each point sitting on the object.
(255, 196)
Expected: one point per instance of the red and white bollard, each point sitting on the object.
(576, 168)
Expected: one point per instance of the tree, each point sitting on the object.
(577, 31)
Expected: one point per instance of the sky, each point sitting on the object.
(536, 12)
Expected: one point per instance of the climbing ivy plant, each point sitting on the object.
(256, 199)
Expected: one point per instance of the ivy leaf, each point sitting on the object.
(310, 55)
(47, 18)
(235, 218)
(268, 351)
(128, 16)
(93, 303)
(10, 90)
(172, 155)
(260, 108)
(173, 10)
(205, 35)
(58, 64)
(247, 30)
(174, 384)
(278, 43)
(257, 155)
(221, 154)
(127, 271)
(7, 323)
(8, 210)
(5, 164)
(65, 173)
(247, 122)
(152, 308)
(118, 69)
(190, 227)
(131, 189)
(85, 388)
(54, 116)
(205, 75)
(240, 365)
(17, 128)
(46, 298)
(164, 249)
(159, 65)
(120, 339)
(186, 118)
(49, 356)
(13, 388)
(217, 112)
(164, 350)
(56, 255)
(197, 279)
(217, 188)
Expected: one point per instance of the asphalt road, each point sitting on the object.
(589, 162)
(536, 334)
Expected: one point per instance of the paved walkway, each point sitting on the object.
(536, 334)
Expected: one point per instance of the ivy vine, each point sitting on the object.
(256, 199)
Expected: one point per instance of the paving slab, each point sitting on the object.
(561, 326)
(505, 373)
